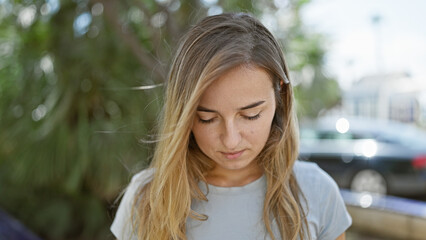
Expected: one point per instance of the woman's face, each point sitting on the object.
(234, 117)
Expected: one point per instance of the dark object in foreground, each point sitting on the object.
(12, 229)
(368, 155)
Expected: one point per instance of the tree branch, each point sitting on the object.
(130, 39)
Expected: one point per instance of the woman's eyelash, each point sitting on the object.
(253, 117)
(205, 121)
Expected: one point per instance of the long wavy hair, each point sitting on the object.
(211, 48)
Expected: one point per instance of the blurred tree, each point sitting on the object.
(80, 91)
(316, 91)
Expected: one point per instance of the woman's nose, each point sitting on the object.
(231, 136)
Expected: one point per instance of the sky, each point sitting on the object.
(358, 47)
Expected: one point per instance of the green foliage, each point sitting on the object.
(71, 118)
(315, 91)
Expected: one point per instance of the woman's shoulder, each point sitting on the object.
(313, 181)
(138, 181)
(301, 167)
(142, 177)
(311, 174)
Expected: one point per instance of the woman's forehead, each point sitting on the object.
(239, 87)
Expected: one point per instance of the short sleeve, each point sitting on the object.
(327, 215)
(122, 225)
(335, 220)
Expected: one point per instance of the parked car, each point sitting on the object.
(368, 155)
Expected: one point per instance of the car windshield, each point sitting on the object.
(407, 136)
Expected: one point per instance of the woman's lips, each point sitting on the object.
(233, 155)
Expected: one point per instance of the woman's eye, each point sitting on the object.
(252, 117)
(205, 121)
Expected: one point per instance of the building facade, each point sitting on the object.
(393, 96)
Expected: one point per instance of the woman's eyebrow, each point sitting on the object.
(203, 109)
(252, 105)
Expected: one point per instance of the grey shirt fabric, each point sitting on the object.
(236, 212)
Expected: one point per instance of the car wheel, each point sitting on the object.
(369, 181)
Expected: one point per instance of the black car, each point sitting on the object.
(368, 155)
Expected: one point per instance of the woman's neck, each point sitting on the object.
(233, 178)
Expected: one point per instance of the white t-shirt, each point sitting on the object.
(236, 212)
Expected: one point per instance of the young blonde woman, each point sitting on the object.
(225, 163)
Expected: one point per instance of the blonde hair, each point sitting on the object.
(212, 47)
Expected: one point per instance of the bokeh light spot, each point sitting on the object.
(27, 16)
(342, 125)
(366, 200)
